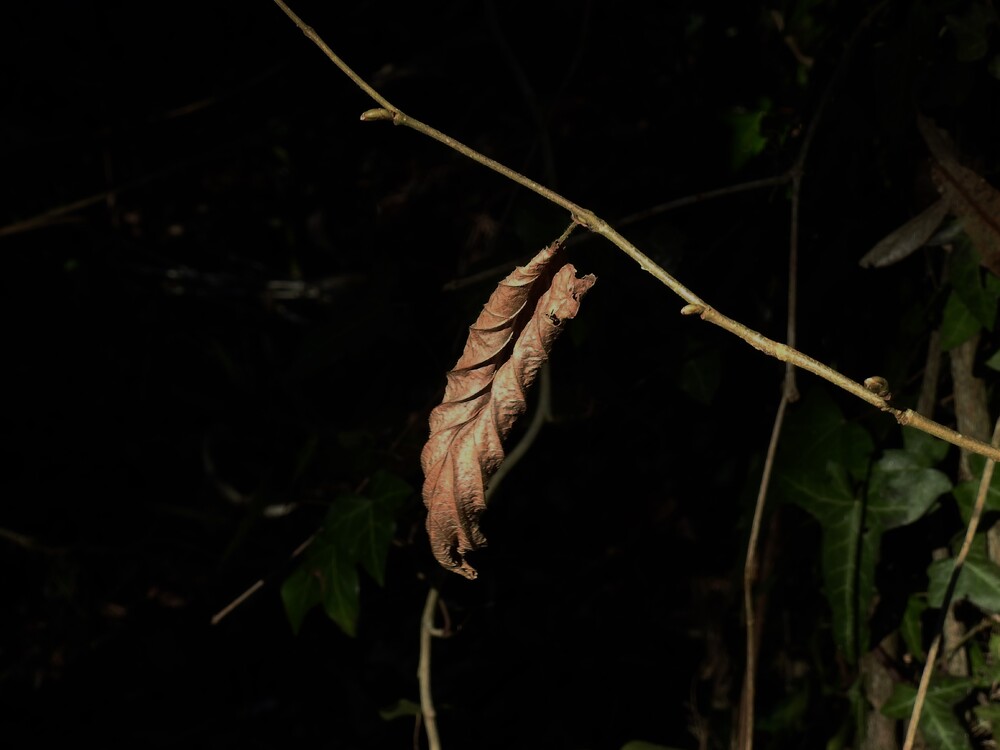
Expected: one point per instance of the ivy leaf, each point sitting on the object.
(485, 395)
(361, 529)
(391, 491)
(300, 592)
(356, 531)
(958, 324)
(911, 627)
(817, 433)
(748, 138)
(994, 361)
(938, 721)
(901, 490)
(965, 496)
(848, 554)
(979, 580)
(927, 448)
(967, 283)
(325, 578)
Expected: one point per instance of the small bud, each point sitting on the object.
(692, 310)
(879, 386)
(379, 113)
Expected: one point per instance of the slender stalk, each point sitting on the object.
(424, 671)
(689, 200)
(750, 577)
(970, 533)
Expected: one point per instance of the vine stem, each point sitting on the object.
(424, 670)
(695, 305)
(970, 533)
(747, 698)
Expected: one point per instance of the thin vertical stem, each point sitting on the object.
(424, 670)
(970, 533)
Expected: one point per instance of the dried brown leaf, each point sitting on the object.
(485, 395)
(969, 196)
(902, 242)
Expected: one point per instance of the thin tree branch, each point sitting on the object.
(689, 200)
(745, 728)
(970, 533)
(696, 305)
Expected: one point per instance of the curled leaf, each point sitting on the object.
(485, 395)
(969, 196)
(903, 241)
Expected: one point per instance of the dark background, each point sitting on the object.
(150, 362)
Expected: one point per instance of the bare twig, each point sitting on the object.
(257, 585)
(970, 533)
(689, 200)
(695, 305)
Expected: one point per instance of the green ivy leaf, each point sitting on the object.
(985, 672)
(326, 577)
(817, 433)
(357, 531)
(979, 580)
(976, 465)
(911, 626)
(748, 139)
(389, 490)
(958, 323)
(967, 282)
(789, 713)
(848, 554)
(938, 721)
(300, 593)
(994, 361)
(965, 496)
(927, 448)
(901, 490)
(362, 529)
